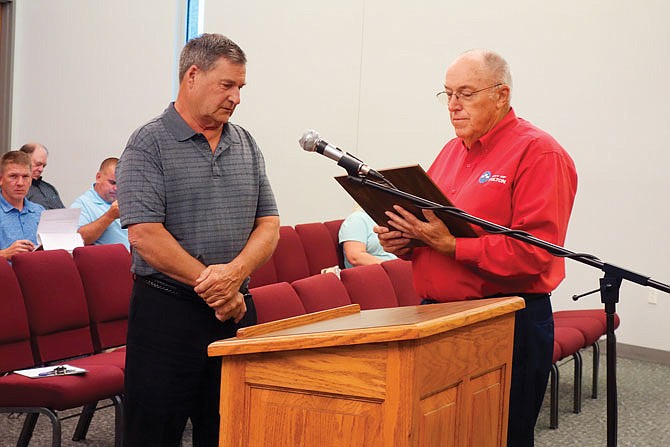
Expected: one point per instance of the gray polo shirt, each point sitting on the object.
(207, 201)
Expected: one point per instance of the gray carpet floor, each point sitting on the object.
(643, 412)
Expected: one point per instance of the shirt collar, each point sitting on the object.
(28, 206)
(490, 137)
(182, 131)
(97, 199)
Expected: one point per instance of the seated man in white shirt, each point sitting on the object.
(99, 221)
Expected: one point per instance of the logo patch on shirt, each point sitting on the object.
(485, 177)
(488, 177)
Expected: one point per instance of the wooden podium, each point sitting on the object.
(433, 375)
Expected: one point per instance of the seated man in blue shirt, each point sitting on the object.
(19, 216)
(359, 243)
(99, 220)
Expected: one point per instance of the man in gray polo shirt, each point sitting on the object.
(201, 217)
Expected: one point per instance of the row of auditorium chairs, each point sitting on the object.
(301, 252)
(68, 296)
(59, 308)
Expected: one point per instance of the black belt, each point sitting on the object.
(166, 287)
(182, 291)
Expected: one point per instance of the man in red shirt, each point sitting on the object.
(502, 169)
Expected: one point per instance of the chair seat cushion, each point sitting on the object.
(570, 340)
(113, 358)
(61, 392)
(557, 352)
(594, 313)
(591, 328)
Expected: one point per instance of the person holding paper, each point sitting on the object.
(40, 190)
(19, 216)
(99, 219)
(201, 217)
(503, 169)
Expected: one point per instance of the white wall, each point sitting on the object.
(364, 74)
(86, 75)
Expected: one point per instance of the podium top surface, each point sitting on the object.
(350, 326)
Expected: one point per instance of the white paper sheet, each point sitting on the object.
(58, 229)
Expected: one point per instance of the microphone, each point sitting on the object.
(312, 142)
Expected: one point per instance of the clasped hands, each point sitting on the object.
(404, 226)
(219, 286)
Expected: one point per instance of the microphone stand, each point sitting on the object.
(610, 283)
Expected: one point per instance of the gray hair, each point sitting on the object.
(205, 50)
(29, 148)
(494, 64)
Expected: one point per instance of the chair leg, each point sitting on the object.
(553, 397)
(29, 427)
(577, 404)
(596, 369)
(118, 421)
(84, 421)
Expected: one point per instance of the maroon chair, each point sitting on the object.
(276, 301)
(15, 348)
(321, 292)
(320, 249)
(264, 275)
(58, 314)
(58, 318)
(47, 395)
(105, 274)
(400, 274)
(592, 323)
(369, 286)
(289, 257)
(570, 341)
(334, 229)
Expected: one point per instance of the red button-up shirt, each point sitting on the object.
(519, 177)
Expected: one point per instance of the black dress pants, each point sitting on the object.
(531, 365)
(169, 377)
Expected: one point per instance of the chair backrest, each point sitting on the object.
(15, 350)
(108, 283)
(55, 304)
(276, 301)
(321, 292)
(400, 274)
(289, 257)
(334, 229)
(369, 286)
(320, 249)
(264, 275)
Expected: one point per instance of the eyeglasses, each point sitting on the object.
(444, 97)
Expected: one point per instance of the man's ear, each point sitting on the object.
(503, 96)
(190, 74)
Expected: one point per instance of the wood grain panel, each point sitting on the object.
(445, 358)
(359, 371)
(283, 418)
(486, 410)
(439, 418)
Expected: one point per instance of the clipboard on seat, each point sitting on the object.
(412, 180)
